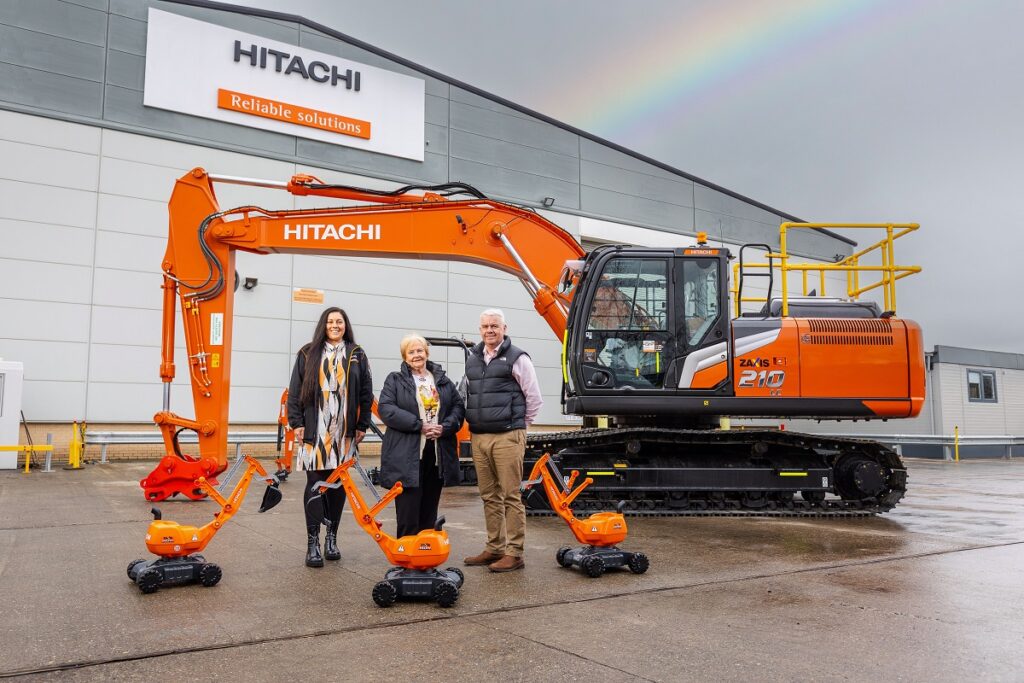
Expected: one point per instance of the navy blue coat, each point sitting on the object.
(398, 408)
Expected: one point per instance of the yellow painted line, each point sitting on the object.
(792, 474)
(565, 366)
(46, 447)
(600, 474)
(619, 464)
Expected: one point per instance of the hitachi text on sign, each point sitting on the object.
(282, 62)
(328, 231)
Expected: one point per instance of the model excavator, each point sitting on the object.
(647, 341)
(601, 532)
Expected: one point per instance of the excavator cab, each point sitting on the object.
(641, 315)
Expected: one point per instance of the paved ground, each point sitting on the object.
(932, 592)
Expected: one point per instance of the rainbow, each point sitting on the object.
(675, 71)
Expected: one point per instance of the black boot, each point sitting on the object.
(331, 551)
(313, 556)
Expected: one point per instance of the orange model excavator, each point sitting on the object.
(415, 558)
(647, 340)
(285, 441)
(601, 531)
(178, 545)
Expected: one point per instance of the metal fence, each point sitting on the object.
(105, 439)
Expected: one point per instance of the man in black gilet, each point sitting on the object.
(504, 398)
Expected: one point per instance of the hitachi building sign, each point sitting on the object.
(328, 231)
(202, 69)
(282, 62)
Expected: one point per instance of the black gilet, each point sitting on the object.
(496, 402)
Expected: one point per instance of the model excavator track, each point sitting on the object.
(668, 472)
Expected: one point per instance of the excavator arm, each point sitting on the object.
(199, 267)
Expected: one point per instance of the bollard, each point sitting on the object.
(49, 453)
(28, 458)
(75, 449)
(956, 443)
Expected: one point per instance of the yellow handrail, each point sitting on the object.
(851, 265)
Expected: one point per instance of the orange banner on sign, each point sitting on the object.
(292, 113)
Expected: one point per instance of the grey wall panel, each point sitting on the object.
(636, 210)
(45, 401)
(712, 200)
(125, 288)
(484, 291)
(127, 35)
(436, 111)
(250, 369)
(132, 215)
(513, 129)
(48, 166)
(44, 132)
(266, 335)
(57, 18)
(464, 319)
(121, 363)
(314, 40)
(515, 185)
(48, 53)
(129, 402)
(516, 157)
(45, 242)
(607, 156)
(677, 190)
(271, 270)
(61, 361)
(122, 251)
(41, 320)
(91, 4)
(125, 70)
(50, 91)
(41, 281)
(433, 169)
(735, 230)
(466, 97)
(355, 276)
(125, 106)
(266, 301)
(254, 404)
(109, 326)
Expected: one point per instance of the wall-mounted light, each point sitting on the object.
(250, 283)
(549, 202)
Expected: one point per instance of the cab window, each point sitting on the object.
(700, 298)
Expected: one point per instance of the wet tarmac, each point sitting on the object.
(931, 591)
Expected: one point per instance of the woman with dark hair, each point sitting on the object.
(329, 400)
(423, 412)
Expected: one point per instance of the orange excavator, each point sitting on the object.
(648, 345)
(285, 441)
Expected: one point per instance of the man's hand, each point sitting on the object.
(359, 436)
(299, 432)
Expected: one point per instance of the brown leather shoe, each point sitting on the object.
(508, 563)
(486, 557)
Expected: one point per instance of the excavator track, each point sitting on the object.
(734, 473)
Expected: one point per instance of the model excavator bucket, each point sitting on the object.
(271, 497)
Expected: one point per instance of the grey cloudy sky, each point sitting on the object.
(855, 110)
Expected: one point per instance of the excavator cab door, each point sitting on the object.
(648, 322)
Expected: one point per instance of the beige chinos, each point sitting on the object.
(498, 459)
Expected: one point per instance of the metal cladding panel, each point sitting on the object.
(40, 281)
(58, 19)
(516, 129)
(636, 210)
(736, 230)
(607, 156)
(49, 401)
(23, 319)
(125, 106)
(979, 358)
(36, 130)
(58, 243)
(126, 70)
(50, 53)
(677, 190)
(28, 163)
(285, 31)
(49, 91)
(39, 356)
(513, 156)
(127, 35)
(433, 169)
(515, 185)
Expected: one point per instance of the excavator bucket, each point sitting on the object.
(271, 497)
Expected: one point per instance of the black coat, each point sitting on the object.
(360, 393)
(398, 408)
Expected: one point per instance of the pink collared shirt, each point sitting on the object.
(524, 373)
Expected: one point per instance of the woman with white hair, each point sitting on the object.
(423, 412)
